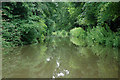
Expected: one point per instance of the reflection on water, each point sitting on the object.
(60, 58)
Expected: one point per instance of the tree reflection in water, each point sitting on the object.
(60, 58)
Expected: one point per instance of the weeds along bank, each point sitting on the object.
(88, 23)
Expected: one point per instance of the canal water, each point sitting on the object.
(60, 58)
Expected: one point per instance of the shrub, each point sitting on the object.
(77, 32)
(11, 34)
(61, 33)
(24, 33)
(78, 36)
(102, 35)
(95, 35)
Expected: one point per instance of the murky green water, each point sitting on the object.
(60, 58)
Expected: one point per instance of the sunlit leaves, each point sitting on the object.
(78, 36)
(77, 32)
(62, 33)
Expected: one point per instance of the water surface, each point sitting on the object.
(60, 58)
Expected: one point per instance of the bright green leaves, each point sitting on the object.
(71, 10)
(62, 33)
(78, 36)
(77, 32)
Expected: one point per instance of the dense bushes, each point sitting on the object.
(10, 34)
(14, 35)
(30, 22)
(96, 35)
(33, 33)
(19, 33)
(100, 35)
(21, 25)
(100, 22)
(94, 14)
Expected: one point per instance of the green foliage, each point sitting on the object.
(11, 34)
(100, 35)
(62, 33)
(95, 18)
(16, 10)
(96, 35)
(108, 11)
(77, 41)
(94, 14)
(87, 17)
(33, 32)
(77, 32)
(22, 25)
(25, 33)
(30, 22)
(78, 36)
